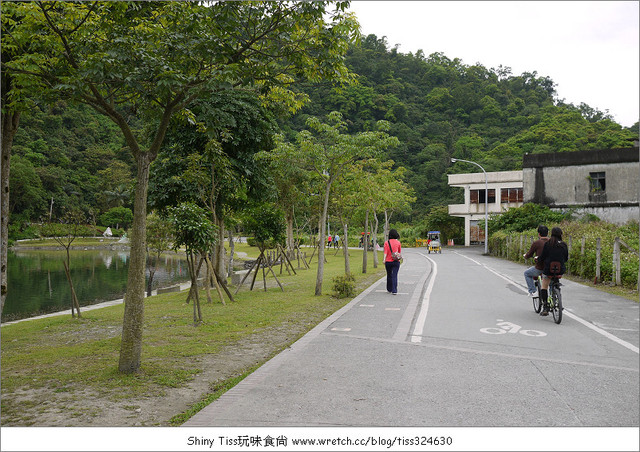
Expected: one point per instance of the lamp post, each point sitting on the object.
(486, 201)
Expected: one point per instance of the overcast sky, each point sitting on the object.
(588, 48)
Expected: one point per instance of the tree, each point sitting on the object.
(266, 222)
(65, 233)
(211, 162)
(159, 240)
(118, 217)
(327, 151)
(197, 234)
(151, 60)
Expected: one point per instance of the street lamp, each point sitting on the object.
(486, 201)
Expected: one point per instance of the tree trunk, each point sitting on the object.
(219, 262)
(133, 322)
(290, 245)
(387, 217)
(213, 280)
(152, 272)
(345, 248)
(10, 122)
(365, 242)
(323, 225)
(374, 235)
(232, 250)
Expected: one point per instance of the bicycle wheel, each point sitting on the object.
(556, 309)
(537, 304)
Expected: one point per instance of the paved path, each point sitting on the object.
(459, 345)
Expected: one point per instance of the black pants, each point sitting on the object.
(392, 275)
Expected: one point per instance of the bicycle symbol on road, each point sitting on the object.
(508, 327)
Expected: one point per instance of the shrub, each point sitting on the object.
(344, 286)
(519, 219)
(509, 244)
(117, 216)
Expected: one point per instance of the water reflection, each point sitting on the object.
(37, 282)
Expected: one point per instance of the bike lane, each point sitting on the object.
(433, 356)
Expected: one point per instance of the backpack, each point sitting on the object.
(394, 255)
(555, 268)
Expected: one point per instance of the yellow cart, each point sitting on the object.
(434, 242)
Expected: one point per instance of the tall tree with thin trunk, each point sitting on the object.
(326, 150)
(65, 234)
(197, 234)
(148, 61)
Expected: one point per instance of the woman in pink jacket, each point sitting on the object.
(392, 265)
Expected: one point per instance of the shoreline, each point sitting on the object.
(104, 304)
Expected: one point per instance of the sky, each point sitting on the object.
(588, 48)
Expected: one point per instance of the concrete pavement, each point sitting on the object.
(459, 345)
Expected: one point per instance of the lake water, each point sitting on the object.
(37, 283)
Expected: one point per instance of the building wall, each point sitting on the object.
(474, 213)
(561, 181)
(570, 184)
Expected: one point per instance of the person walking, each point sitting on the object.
(392, 250)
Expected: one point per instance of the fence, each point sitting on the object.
(615, 262)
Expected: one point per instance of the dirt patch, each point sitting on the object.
(80, 407)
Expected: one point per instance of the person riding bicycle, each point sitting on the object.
(554, 257)
(532, 273)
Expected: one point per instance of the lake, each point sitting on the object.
(37, 283)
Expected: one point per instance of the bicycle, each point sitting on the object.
(554, 297)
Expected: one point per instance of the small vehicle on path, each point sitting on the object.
(434, 242)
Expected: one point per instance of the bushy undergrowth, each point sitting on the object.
(344, 286)
(582, 261)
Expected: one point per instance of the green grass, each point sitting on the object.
(62, 354)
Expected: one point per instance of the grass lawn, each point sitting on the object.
(61, 354)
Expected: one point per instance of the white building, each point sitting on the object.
(505, 192)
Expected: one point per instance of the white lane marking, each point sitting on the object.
(488, 352)
(586, 323)
(391, 309)
(422, 316)
(367, 305)
(341, 329)
(606, 334)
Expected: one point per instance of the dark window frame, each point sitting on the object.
(597, 182)
(511, 195)
(477, 196)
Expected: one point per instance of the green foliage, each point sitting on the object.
(440, 108)
(344, 286)
(159, 233)
(117, 217)
(266, 223)
(506, 243)
(438, 219)
(193, 229)
(529, 216)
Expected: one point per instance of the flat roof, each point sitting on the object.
(575, 158)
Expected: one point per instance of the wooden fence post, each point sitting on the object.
(569, 263)
(584, 239)
(520, 253)
(616, 261)
(598, 251)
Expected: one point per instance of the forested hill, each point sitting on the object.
(438, 107)
(441, 108)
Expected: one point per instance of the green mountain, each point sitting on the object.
(438, 108)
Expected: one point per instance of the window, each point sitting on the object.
(510, 195)
(597, 181)
(477, 196)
